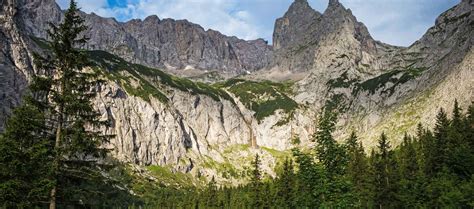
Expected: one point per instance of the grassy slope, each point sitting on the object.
(152, 81)
(264, 98)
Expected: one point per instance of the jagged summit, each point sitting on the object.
(334, 3)
(299, 6)
(152, 18)
(297, 20)
(336, 8)
(302, 31)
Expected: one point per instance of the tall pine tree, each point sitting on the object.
(409, 185)
(384, 173)
(286, 184)
(25, 159)
(358, 170)
(256, 183)
(440, 151)
(329, 153)
(69, 90)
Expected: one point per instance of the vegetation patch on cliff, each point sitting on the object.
(150, 76)
(342, 81)
(264, 97)
(396, 77)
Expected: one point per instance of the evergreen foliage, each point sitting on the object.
(55, 138)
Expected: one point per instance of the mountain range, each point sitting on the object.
(201, 102)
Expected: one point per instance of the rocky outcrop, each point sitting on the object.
(370, 81)
(15, 60)
(302, 35)
(176, 45)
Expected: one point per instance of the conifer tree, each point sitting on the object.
(329, 153)
(469, 124)
(25, 151)
(69, 91)
(358, 170)
(459, 153)
(384, 172)
(409, 173)
(440, 148)
(311, 181)
(211, 193)
(286, 184)
(256, 183)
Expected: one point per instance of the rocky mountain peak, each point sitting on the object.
(333, 3)
(288, 29)
(335, 8)
(152, 18)
(300, 8)
(303, 33)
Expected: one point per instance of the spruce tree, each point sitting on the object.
(311, 181)
(329, 153)
(256, 183)
(25, 162)
(333, 158)
(211, 193)
(69, 90)
(409, 185)
(469, 124)
(384, 172)
(440, 150)
(358, 170)
(460, 156)
(286, 184)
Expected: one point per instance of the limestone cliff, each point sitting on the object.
(179, 46)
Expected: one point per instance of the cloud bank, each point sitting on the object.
(397, 22)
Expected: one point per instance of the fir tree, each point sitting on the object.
(440, 148)
(460, 156)
(311, 181)
(358, 170)
(329, 153)
(25, 151)
(211, 196)
(384, 170)
(256, 183)
(69, 109)
(409, 173)
(286, 184)
(469, 124)
(333, 158)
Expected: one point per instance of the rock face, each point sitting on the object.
(175, 45)
(15, 65)
(370, 81)
(301, 34)
(376, 87)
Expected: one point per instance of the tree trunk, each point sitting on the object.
(52, 202)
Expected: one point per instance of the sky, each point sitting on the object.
(396, 22)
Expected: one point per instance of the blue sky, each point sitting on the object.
(397, 22)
